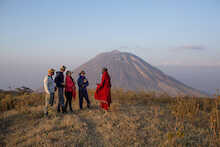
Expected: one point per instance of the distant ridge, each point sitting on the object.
(130, 72)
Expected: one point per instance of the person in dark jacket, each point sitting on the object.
(83, 84)
(59, 80)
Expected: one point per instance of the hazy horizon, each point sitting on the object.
(204, 78)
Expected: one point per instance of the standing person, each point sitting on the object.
(70, 90)
(103, 90)
(83, 83)
(59, 80)
(49, 87)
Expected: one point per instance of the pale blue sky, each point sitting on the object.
(160, 31)
(45, 33)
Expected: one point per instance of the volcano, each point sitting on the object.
(130, 72)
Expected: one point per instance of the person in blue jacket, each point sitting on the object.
(83, 84)
(59, 80)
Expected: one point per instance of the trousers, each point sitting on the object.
(61, 99)
(49, 99)
(83, 94)
(69, 96)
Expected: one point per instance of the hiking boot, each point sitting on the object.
(64, 110)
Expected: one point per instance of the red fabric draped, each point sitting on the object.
(103, 91)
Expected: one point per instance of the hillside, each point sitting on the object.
(136, 119)
(133, 73)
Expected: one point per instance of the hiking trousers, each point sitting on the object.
(83, 94)
(49, 99)
(61, 99)
(69, 96)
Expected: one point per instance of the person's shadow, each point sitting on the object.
(94, 137)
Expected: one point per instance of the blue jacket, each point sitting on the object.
(81, 84)
(59, 79)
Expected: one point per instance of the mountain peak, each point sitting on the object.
(130, 72)
(115, 52)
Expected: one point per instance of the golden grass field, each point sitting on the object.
(136, 119)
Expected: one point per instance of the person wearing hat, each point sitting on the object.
(83, 84)
(59, 80)
(49, 87)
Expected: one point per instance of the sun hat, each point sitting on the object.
(51, 70)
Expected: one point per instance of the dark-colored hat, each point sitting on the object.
(82, 72)
(105, 69)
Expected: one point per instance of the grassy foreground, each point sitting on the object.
(136, 119)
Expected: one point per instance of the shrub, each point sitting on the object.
(20, 102)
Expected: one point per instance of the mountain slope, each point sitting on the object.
(133, 73)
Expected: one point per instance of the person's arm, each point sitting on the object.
(74, 82)
(80, 82)
(56, 80)
(62, 82)
(85, 82)
(102, 82)
(46, 85)
(65, 82)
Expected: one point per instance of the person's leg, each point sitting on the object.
(87, 99)
(104, 106)
(101, 105)
(59, 97)
(51, 99)
(80, 99)
(70, 101)
(61, 100)
(46, 104)
(66, 104)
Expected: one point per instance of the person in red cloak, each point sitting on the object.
(103, 90)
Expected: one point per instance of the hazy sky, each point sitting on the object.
(37, 34)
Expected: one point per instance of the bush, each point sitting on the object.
(19, 102)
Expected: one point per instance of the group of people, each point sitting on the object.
(66, 85)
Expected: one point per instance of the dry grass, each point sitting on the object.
(136, 119)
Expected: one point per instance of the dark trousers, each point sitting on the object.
(83, 94)
(69, 96)
(51, 99)
(61, 99)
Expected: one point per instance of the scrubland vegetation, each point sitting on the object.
(136, 119)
